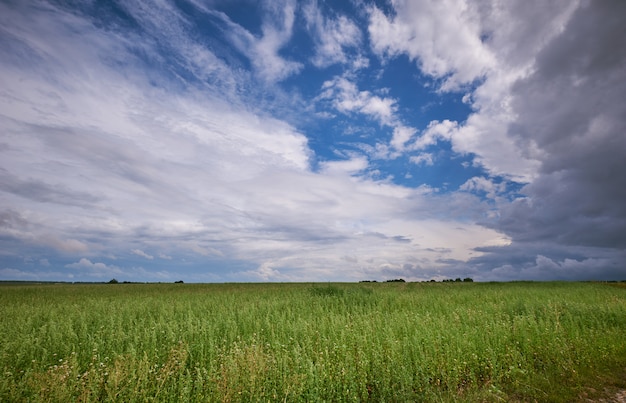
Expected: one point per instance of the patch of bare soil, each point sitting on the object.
(619, 397)
(613, 392)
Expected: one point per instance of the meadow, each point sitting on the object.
(311, 342)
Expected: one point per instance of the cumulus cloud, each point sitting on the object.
(485, 185)
(401, 135)
(423, 158)
(434, 132)
(443, 37)
(95, 269)
(345, 97)
(470, 43)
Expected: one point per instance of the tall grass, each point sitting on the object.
(309, 342)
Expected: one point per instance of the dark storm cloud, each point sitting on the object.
(573, 109)
(547, 261)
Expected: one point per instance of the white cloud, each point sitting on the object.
(443, 37)
(360, 62)
(346, 98)
(380, 108)
(482, 184)
(423, 158)
(486, 134)
(165, 24)
(264, 51)
(401, 135)
(265, 272)
(332, 36)
(95, 269)
(350, 167)
(459, 42)
(435, 131)
(141, 253)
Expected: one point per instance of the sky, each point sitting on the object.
(282, 140)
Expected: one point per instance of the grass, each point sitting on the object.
(310, 342)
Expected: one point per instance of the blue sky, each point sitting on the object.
(212, 141)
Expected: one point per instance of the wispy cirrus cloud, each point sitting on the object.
(263, 51)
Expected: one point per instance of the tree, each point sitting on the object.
(113, 281)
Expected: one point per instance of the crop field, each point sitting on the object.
(311, 342)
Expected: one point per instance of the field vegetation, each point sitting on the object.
(453, 341)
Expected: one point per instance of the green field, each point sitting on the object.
(311, 342)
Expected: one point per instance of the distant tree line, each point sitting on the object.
(447, 280)
(115, 281)
(458, 280)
